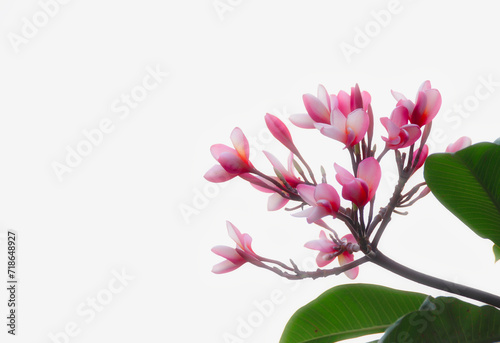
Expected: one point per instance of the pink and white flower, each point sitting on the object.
(426, 106)
(324, 201)
(400, 133)
(232, 162)
(235, 257)
(340, 117)
(328, 250)
(360, 189)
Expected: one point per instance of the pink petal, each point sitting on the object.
(228, 253)
(367, 98)
(433, 105)
(332, 132)
(413, 132)
(398, 96)
(343, 176)
(324, 97)
(240, 143)
(306, 192)
(338, 119)
(279, 130)
(344, 101)
(302, 120)
(461, 143)
(356, 191)
(369, 171)
(235, 234)
(225, 267)
(426, 85)
(391, 127)
(321, 245)
(233, 163)
(277, 164)
(358, 121)
(316, 109)
(323, 259)
(218, 149)
(306, 213)
(276, 202)
(218, 174)
(400, 116)
(345, 258)
(327, 192)
(317, 213)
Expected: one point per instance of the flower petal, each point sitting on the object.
(356, 191)
(344, 103)
(218, 174)
(302, 120)
(324, 97)
(461, 143)
(228, 253)
(343, 176)
(316, 109)
(345, 258)
(276, 202)
(358, 121)
(240, 143)
(218, 149)
(279, 130)
(369, 171)
(225, 267)
(307, 193)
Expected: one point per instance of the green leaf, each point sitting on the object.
(468, 184)
(496, 251)
(446, 319)
(349, 311)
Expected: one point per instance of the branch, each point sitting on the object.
(385, 262)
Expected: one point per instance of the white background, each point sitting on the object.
(123, 207)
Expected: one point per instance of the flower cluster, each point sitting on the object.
(348, 119)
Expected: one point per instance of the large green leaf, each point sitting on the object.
(468, 184)
(446, 319)
(496, 251)
(349, 311)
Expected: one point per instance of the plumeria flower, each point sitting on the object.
(461, 143)
(232, 162)
(426, 105)
(339, 117)
(235, 257)
(329, 249)
(324, 201)
(360, 189)
(401, 134)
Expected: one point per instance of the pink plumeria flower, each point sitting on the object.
(232, 162)
(426, 105)
(234, 256)
(324, 201)
(461, 143)
(336, 116)
(360, 189)
(279, 130)
(328, 250)
(401, 134)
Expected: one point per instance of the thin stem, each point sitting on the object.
(307, 167)
(299, 275)
(385, 262)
